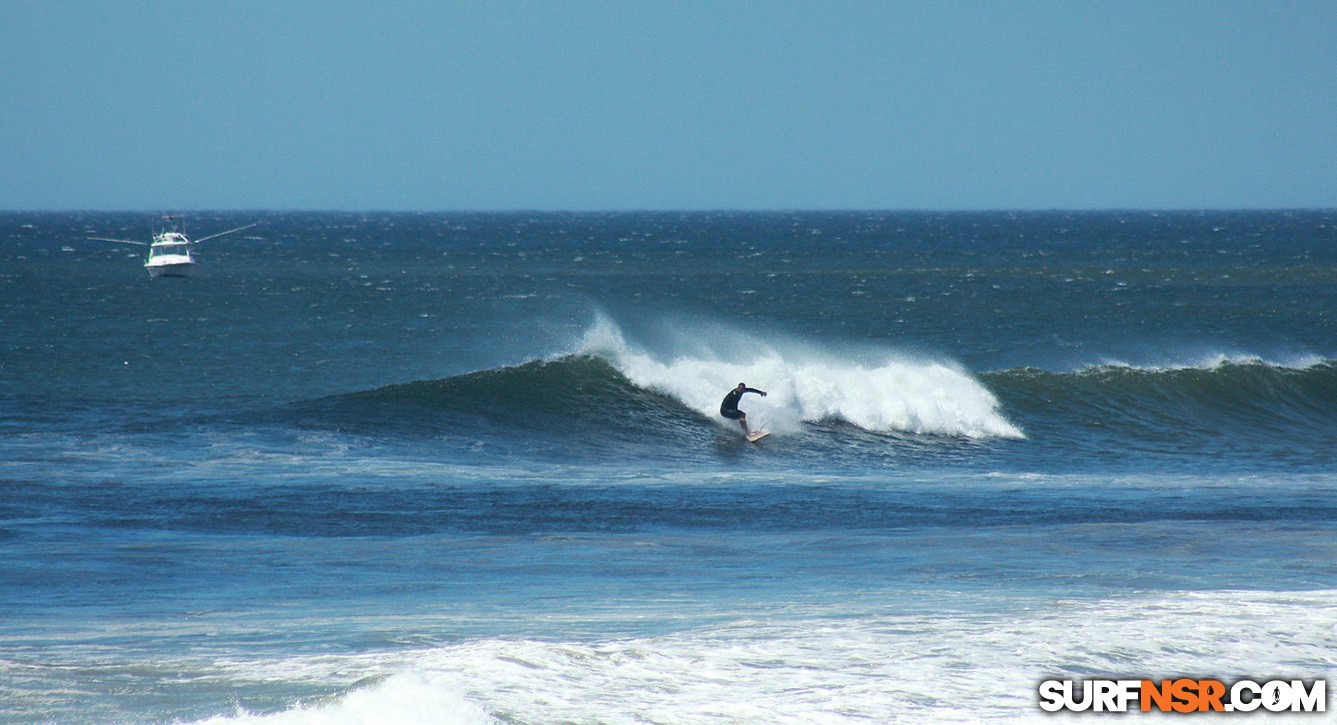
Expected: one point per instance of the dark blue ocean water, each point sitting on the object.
(468, 468)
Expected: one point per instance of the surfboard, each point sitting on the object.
(757, 435)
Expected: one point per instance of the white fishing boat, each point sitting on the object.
(171, 253)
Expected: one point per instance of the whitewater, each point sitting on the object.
(800, 672)
(807, 384)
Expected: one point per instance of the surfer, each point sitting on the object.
(729, 408)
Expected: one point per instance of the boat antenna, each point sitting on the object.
(215, 236)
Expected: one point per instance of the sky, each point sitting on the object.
(622, 105)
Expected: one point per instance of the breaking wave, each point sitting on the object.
(807, 384)
(610, 383)
(613, 389)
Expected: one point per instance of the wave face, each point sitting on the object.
(1227, 408)
(559, 397)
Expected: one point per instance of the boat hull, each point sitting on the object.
(173, 269)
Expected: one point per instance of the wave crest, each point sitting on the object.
(805, 384)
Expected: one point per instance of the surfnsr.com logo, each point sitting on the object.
(1183, 695)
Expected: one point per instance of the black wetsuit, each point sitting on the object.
(729, 408)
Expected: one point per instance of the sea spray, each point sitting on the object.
(810, 384)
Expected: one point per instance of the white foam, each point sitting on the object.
(1214, 360)
(883, 392)
(413, 697)
(963, 660)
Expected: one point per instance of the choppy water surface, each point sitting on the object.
(469, 467)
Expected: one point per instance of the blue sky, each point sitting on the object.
(583, 105)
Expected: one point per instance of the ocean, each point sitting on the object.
(468, 468)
